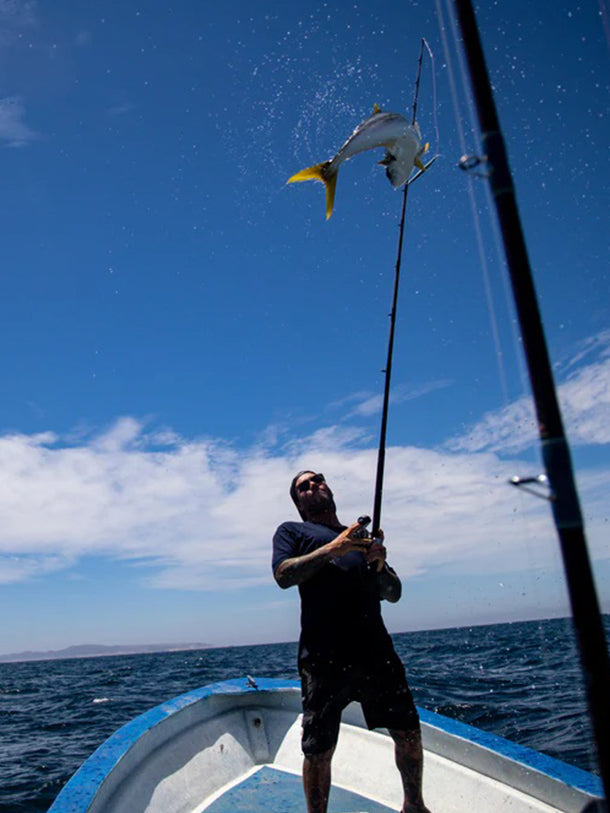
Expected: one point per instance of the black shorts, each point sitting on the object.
(381, 688)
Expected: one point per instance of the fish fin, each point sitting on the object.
(320, 172)
(331, 185)
(421, 171)
(394, 174)
(423, 151)
(313, 173)
(376, 109)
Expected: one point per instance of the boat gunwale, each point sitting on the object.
(81, 789)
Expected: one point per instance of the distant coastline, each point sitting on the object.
(97, 651)
(100, 651)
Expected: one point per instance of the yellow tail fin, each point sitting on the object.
(319, 172)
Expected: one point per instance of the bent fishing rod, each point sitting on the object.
(388, 367)
(556, 456)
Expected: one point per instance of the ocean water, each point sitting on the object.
(520, 680)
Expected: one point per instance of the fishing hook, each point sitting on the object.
(469, 162)
(541, 479)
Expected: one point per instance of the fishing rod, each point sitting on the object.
(556, 456)
(388, 367)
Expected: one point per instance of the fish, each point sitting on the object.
(401, 139)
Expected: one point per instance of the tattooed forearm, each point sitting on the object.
(300, 568)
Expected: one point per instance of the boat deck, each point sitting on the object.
(235, 747)
(270, 789)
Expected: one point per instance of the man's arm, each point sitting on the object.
(388, 582)
(299, 569)
(390, 587)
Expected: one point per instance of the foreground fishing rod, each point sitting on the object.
(388, 367)
(555, 450)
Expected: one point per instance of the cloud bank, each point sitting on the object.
(199, 513)
(584, 397)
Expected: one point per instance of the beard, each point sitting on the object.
(321, 500)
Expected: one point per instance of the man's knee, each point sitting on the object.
(320, 759)
(406, 738)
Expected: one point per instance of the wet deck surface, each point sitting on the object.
(273, 791)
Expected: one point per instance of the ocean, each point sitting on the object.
(519, 680)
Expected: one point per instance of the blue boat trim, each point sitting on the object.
(555, 768)
(81, 789)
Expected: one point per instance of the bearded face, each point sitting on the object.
(314, 497)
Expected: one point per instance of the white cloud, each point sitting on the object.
(17, 12)
(199, 513)
(13, 129)
(15, 15)
(19, 568)
(584, 397)
(596, 346)
(121, 435)
(367, 404)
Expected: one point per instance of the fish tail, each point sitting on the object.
(320, 172)
(423, 151)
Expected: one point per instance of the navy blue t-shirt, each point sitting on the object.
(340, 604)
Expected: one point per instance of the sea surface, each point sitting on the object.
(519, 680)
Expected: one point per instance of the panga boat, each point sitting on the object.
(234, 747)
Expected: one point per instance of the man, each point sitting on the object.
(345, 651)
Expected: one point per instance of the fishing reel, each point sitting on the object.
(362, 532)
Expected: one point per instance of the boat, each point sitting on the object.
(234, 747)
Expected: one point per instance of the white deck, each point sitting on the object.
(199, 747)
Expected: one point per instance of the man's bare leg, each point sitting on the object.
(409, 761)
(316, 781)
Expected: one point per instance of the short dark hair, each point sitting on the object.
(293, 491)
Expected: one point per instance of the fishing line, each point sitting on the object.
(565, 503)
(491, 222)
(535, 559)
(388, 368)
(471, 193)
(531, 550)
(526, 521)
(603, 13)
(434, 96)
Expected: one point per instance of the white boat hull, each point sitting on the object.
(231, 747)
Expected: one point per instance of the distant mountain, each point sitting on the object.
(97, 651)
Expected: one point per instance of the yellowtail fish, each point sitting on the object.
(401, 139)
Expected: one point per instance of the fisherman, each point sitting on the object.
(345, 651)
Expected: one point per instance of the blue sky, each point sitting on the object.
(181, 331)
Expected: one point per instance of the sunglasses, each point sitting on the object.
(303, 486)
